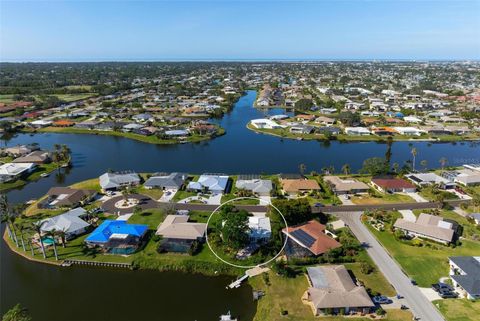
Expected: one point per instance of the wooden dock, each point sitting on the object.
(96, 263)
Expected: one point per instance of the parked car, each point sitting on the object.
(448, 294)
(403, 307)
(413, 282)
(442, 287)
(399, 296)
(318, 205)
(381, 299)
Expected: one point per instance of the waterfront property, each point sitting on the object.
(465, 275)
(60, 197)
(72, 223)
(393, 185)
(332, 291)
(345, 185)
(308, 239)
(114, 181)
(178, 234)
(214, 183)
(117, 237)
(425, 179)
(166, 181)
(13, 171)
(260, 187)
(294, 186)
(260, 229)
(467, 176)
(36, 157)
(428, 226)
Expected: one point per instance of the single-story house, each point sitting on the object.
(465, 275)
(409, 131)
(260, 228)
(11, 171)
(117, 180)
(59, 197)
(293, 186)
(179, 234)
(332, 290)
(177, 133)
(117, 237)
(261, 187)
(475, 217)
(305, 117)
(308, 239)
(37, 157)
(70, 222)
(423, 179)
(359, 131)
(325, 120)
(265, 124)
(19, 150)
(393, 185)
(301, 129)
(215, 183)
(346, 186)
(428, 226)
(465, 177)
(326, 130)
(166, 181)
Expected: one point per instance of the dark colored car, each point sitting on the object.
(381, 299)
(413, 282)
(448, 294)
(318, 205)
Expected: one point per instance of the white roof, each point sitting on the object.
(260, 227)
(14, 169)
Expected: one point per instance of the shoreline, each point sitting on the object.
(359, 139)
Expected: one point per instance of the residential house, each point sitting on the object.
(214, 183)
(465, 275)
(265, 123)
(430, 227)
(59, 197)
(118, 180)
(260, 187)
(165, 181)
(332, 291)
(345, 185)
(36, 157)
(327, 121)
(260, 229)
(294, 186)
(359, 131)
(12, 171)
(308, 239)
(178, 234)
(117, 237)
(301, 129)
(425, 179)
(393, 185)
(71, 222)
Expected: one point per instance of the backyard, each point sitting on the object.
(459, 309)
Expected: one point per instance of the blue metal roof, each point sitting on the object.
(109, 227)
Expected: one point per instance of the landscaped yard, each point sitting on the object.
(459, 309)
(426, 265)
(285, 294)
(35, 175)
(380, 198)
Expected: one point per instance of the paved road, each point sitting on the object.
(420, 306)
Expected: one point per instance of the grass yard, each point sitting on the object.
(33, 176)
(180, 195)
(426, 265)
(459, 309)
(6, 99)
(381, 199)
(375, 280)
(74, 97)
(285, 294)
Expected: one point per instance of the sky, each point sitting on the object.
(239, 30)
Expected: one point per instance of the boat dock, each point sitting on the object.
(249, 273)
(95, 263)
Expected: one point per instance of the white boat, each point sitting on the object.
(44, 175)
(227, 317)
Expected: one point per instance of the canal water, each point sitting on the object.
(53, 293)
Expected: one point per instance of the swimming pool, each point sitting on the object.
(47, 241)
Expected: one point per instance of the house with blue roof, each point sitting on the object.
(117, 237)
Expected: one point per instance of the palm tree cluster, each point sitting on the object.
(61, 153)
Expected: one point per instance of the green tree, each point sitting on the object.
(373, 166)
(17, 313)
(295, 211)
(235, 229)
(346, 169)
(303, 104)
(414, 154)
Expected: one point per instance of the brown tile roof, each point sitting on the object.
(322, 244)
(392, 183)
(296, 185)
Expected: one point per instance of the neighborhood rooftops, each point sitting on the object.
(211, 182)
(172, 180)
(258, 186)
(117, 180)
(178, 227)
(468, 275)
(110, 228)
(69, 222)
(66, 196)
(346, 185)
(297, 185)
(333, 287)
(429, 226)
(311, 235)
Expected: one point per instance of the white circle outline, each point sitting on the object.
(246, 266)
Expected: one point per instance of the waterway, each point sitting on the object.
(74, 293)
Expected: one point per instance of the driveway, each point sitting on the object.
(144, 203)
(415, 299)
(345, 200)
(167, 195)
(416, 197)
(408, 215)
(215, 199)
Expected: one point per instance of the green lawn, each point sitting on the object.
(285, 294)
(180, 195)
(459, 309)
(380, 198)
(424, 264)
(35, 175)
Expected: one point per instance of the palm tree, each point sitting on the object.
(396, 166)
(414, 154)
(346, 169)
(302, 168)
(21, 228)
(52, 234)
(37, 228)
(476, 201)
(5, 215)
(63, 236)
(424, 164)
(443, 161)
